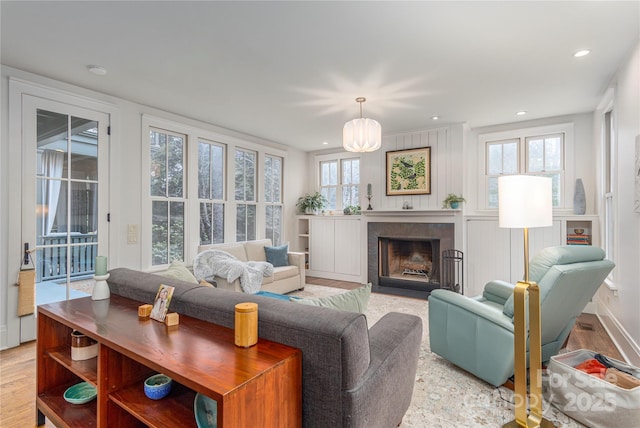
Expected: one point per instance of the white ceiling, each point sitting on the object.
(290, 71)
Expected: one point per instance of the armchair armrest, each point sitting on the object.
(470, 305)
(498, 291)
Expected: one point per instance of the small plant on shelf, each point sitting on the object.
(311, 204)
(452, 201)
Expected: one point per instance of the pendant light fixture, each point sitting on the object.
(361, 135)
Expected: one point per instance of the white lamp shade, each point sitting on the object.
(362, 135)
(524, 201)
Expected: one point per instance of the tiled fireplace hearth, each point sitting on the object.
(406, 258)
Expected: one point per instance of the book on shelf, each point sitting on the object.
(575, 239)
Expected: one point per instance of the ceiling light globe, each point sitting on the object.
(362, 135)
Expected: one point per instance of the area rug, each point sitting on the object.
(444, 396)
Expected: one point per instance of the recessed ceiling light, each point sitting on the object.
(97, 70)
(521, 113)
(583, 52)
(324, 143)
(435, 117)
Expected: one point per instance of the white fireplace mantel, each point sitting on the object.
(412, 213)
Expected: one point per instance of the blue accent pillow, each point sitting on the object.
(278, 256)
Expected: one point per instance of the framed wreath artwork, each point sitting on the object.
(409, 172)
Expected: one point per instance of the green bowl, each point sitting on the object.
(80, 393)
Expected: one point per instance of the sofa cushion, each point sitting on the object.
(277, 256)
(355, 300)
(284, 272)
(255, 249)
(177, 270)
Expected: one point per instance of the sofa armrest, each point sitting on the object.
(298, 259)
(498, 291)
(395, 342)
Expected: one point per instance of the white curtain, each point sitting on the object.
(52, 165)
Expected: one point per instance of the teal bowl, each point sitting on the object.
(157, 386)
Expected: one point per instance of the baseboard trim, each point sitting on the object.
(620, 337)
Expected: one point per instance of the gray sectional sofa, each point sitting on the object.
(353, 375)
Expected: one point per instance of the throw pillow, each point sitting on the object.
(278, 256)
(353, 300)
(177, 270)
(205, 283)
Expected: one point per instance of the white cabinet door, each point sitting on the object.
(347, 246)
(322, 244)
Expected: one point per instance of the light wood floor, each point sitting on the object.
(18, 365)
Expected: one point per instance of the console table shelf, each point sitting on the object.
(197, 355)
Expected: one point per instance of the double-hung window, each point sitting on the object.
(340, 182)
(245, 194)
(273, 198)
(211, 185)
(541, 155)
(167, 192)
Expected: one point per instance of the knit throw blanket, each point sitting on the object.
(211, 263)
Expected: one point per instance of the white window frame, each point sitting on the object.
(566, 179)
(213, 201)
(335, 157)
(170, 199)
(278, 203)
(609, 183)
(256, 191)
(197, 132)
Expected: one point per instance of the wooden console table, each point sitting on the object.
(262, 383)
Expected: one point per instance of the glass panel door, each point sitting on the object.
(66, 205)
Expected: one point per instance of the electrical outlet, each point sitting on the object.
(132, 234)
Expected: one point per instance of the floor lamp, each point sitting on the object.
(525, 201)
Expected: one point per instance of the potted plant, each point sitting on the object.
(452, 201)
(311, 204)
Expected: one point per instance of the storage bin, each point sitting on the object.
(588, 399)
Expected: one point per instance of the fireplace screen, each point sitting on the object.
(408, 261)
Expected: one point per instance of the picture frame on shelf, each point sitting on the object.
(161, 303)
(408, 172)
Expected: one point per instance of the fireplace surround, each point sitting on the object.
(406, 258)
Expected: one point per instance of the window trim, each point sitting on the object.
(338, 157)
(520, 134)
(279, 203)
(223, 200)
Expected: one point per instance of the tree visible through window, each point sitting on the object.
(344, 181)
(211, 185)
(544, 156)
(167, 196)
(273, 198)
(245, 195)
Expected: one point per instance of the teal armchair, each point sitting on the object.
(476, 333)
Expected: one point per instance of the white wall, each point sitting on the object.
(619, 309)
(125, 189)
(582, 164)
(447, 168)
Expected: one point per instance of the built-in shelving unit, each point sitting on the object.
(303, 238)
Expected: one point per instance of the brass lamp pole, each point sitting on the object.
(525, 201)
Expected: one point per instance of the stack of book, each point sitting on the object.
(575, 239)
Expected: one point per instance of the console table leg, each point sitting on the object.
(39, 418)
